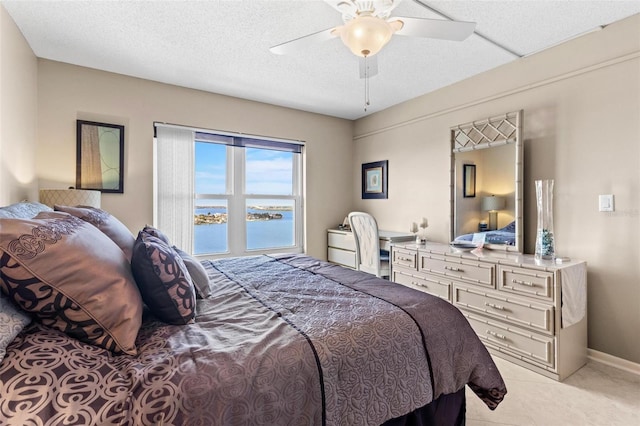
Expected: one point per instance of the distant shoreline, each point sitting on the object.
(221, 218)
(273, 208)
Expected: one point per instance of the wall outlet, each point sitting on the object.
(605, 203)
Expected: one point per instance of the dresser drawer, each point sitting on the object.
(341, 241)
(527, 282)
(511, 340)
(431, 285)
(458, 268)
(406, 258)
(343, 257)
(538, 317)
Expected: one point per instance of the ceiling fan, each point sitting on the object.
(368, 28)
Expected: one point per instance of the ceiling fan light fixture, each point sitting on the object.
(365, 35)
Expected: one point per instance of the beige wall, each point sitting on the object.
(18, 107)
(581, 106)
(581, 103)
(67, 93)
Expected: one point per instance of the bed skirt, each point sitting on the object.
(447, 410)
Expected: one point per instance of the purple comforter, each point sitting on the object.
(284, 340)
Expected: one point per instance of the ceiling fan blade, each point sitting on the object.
(304, 42)
(435, 28)
(368, 65)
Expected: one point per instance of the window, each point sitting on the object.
(246, 196)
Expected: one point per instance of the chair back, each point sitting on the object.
(365, 232)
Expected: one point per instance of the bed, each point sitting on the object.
(505, 236)
(262, 340)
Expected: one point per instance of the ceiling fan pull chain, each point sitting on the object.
(366, 84)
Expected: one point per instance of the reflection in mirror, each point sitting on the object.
(494, 147)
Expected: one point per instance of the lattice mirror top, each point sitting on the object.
(486, 133)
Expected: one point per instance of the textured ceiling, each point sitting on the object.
(223, 46)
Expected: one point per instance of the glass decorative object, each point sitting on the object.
(545, 242)
(414, 230)
(424, 225)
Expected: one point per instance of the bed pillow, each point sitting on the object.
(155, 232)
(163, 280)
(72, 278)
(509, 228)
(23, 210)
(198, 274)
(195, 268)
(12, 321)
(105, 222)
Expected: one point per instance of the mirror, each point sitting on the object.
(486, 182)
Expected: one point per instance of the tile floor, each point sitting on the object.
(594, 395)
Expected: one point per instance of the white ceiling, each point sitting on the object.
(223, 46)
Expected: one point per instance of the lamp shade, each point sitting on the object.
(70, 197)
(493, 203)
(365, 35)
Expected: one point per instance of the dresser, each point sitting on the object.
(341, 244)
(530, 312)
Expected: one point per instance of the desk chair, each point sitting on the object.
(368, 256)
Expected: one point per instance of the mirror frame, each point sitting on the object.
(483, 134)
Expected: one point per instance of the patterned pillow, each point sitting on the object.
(196, 270)
(155, 232)
(105, 222)
(72, 278)
(163, 280)
(198, 274)
(12, 321)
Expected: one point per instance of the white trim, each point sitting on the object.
(613, 361)
(236, 197)
(497, 96)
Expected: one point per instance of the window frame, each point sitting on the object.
(236, 198)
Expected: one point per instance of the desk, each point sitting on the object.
(341, 244)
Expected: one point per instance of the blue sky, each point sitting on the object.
(210, 172)
(268, 171)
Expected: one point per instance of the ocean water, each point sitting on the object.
(261, 234)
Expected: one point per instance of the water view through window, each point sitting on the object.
(269, 222)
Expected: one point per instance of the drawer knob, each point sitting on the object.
(527, 283)
(453, 268)
(494, 306)
(494, 334)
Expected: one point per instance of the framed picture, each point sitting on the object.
(99, 156)
(468, 180)
(375, 180)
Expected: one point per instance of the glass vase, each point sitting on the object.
(545, 242)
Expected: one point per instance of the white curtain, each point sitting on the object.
(173, 185)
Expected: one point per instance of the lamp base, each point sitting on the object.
(493, 220)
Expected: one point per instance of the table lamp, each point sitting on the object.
(492, 204)
(70, 197)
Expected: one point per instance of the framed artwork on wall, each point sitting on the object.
(469, 180)
(100, 156)
(375, 180)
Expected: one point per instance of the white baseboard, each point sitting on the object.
(613, 361)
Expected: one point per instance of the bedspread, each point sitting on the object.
(283, 340)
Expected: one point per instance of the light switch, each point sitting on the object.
(605, 203)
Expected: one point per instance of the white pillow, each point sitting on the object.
(12, 321)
